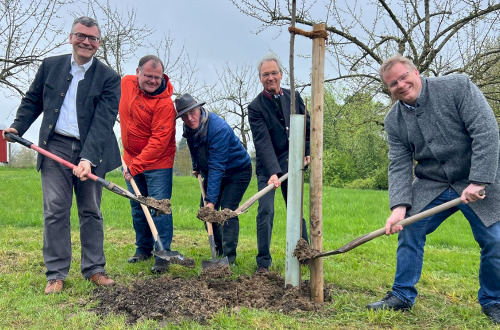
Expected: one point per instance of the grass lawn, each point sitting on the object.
(448, 287)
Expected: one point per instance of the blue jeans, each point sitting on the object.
(158, 185)
(411, 251)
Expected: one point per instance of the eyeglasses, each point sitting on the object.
(267, 74)
(81, 38)
(403, 78)
(149, 77)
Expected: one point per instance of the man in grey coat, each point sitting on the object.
(443, 144)
(78, 97)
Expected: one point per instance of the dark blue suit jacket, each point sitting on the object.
(270, 134)
(97, 103)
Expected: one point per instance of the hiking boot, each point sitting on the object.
(101, 279)
(493, 312)
(139, 257)
(54, 286)
(389, 302)
(160, 266)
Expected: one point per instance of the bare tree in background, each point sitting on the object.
(485, 70)
(121, 36)
(439, 36)
(27, 35)
(123, 40)
(179, 66)
(230, 97)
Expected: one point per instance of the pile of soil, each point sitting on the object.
(209, 215)
(172, 300)
(304, 252)
(161, 206)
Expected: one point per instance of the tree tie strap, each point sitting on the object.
(312, 34)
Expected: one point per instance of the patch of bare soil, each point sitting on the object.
(208, 215)
(304, 252)
(161, 206)
(172, 300)
(186, 262)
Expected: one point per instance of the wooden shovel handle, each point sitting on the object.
(210, 229)
(245, 206)
(144, 208)
(405, 222)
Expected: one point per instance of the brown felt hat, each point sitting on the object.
(185, 103)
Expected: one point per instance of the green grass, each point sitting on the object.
(447, 289)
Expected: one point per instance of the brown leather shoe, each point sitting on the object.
(54, 286)
(101, 279)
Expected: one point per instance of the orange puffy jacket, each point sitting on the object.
(147, 126)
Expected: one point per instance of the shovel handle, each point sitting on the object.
(44, 152)
(18, 139)
(405, 222)
(105, 183)
(149, 218)
(245, 206)
(210, 228)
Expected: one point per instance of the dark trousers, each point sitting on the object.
(265, 218)
(232, 189)
(58, 183)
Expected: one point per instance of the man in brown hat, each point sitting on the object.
(218, 155)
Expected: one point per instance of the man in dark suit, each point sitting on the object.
(269, 117)
(79, 97)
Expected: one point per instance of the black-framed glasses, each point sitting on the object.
(81, 38)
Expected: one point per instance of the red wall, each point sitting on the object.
(3, 149)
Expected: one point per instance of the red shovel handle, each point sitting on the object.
(44, 152)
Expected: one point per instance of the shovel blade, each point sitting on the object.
(167, 255)
(214, 263)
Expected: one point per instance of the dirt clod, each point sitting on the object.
(186, 262)
(161, 206)
(304, 252)
(209, 215)
(173, 300)
(219, 271)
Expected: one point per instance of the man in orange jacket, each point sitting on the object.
(147, 120)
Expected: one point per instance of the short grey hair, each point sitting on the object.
(156, 61)
(87, 21)
(270, 57)
(391, 61)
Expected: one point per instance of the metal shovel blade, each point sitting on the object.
(167, 255)
(215, 263)
(175, 258)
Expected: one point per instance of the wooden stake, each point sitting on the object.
(316, 177)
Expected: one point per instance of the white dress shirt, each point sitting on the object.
(67, 123)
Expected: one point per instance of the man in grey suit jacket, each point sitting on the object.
(445, 126)
(79, 97)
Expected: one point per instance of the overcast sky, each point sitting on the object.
(213, 31)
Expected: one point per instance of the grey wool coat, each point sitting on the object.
(450, 139)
